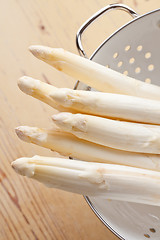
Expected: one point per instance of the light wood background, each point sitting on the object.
(28, 210)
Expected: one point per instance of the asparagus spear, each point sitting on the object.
(93, 74)
(121, 135)
(69, 145)
(109, 105)
(39, 90)
(95, 103)
(93, 179)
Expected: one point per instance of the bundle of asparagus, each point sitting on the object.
(115, 134)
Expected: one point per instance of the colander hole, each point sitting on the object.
(138, 70)
(148, 80)
(127, 48)
(151, 67)
(147, 55)
(120, 64)
(115, 55)
(152, 230)
(139, 48)
(131, 60)
(147, 235)
(158, 24)
(125, 72)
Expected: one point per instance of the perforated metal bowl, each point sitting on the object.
(133, 50)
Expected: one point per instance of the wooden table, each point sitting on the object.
(28, 210)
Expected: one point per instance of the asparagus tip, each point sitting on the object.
(61, 117)
(27, 84)
(22, 133)
(31, 134)
(34, 49)
(68, 122)
(40, 52)
(47, 54)
(23, 167)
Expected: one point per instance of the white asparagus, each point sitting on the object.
(109, 105)
(93, 179)
(94, 74)
(39, 90)
(68, 145)
(128, 136)
(95, 103)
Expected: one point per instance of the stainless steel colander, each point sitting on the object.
(132, 50)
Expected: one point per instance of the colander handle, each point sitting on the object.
(97, 15)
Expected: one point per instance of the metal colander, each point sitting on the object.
(132, 50)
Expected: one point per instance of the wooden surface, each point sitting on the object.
(28, 210)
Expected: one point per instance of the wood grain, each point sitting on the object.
(28, 210)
